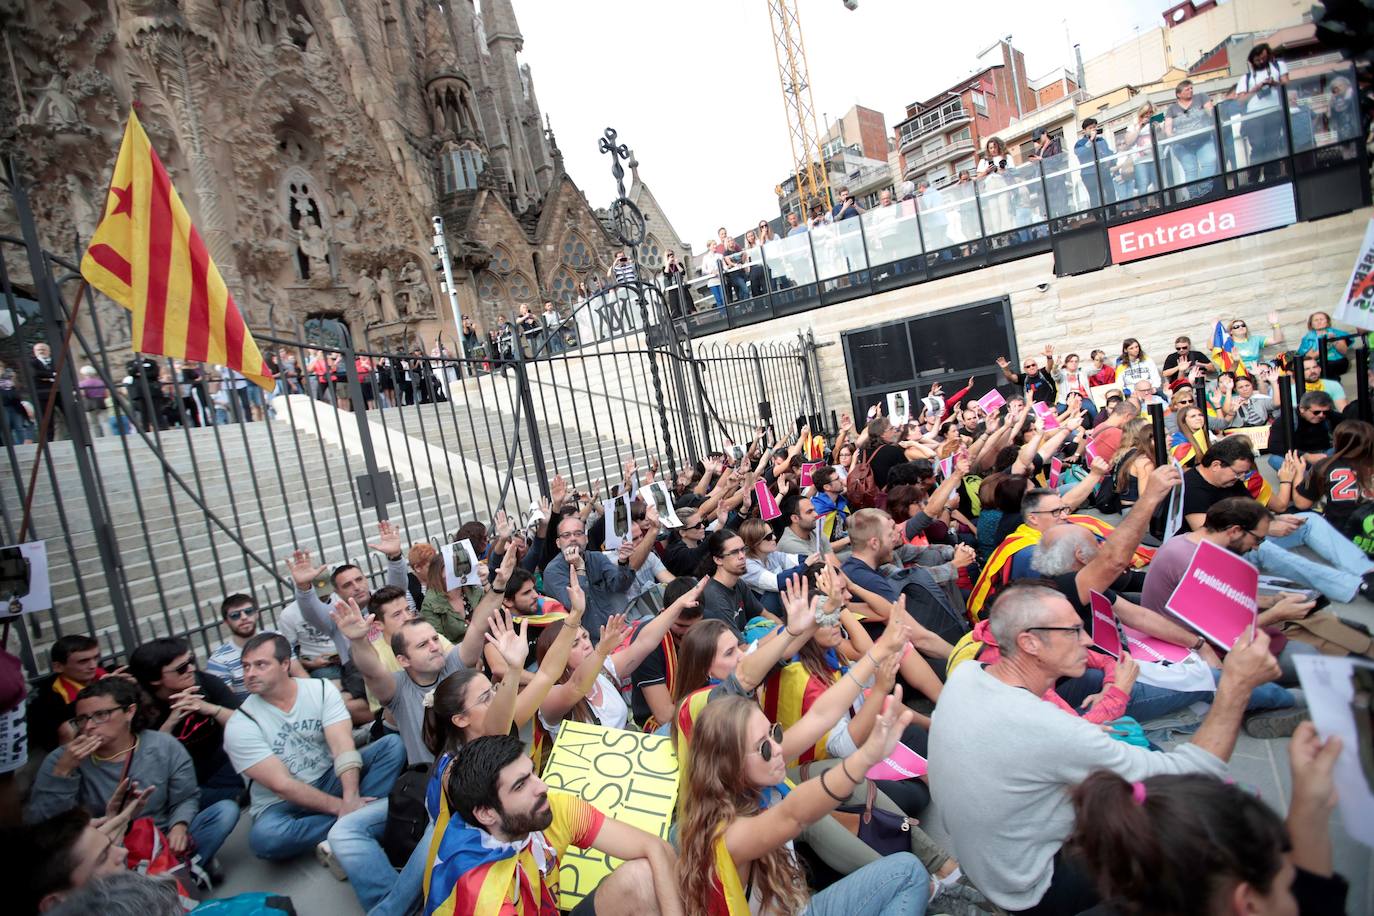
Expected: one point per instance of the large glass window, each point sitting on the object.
(458, 170)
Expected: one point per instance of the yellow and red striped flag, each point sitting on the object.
(147, 256)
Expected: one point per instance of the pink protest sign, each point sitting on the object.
(992, 401)
(1216, 595)
(1056, 468)
(1046, 414)
(1105, 634)
(1150, 649)
(807, 470)
(1090, 451)
(902, 763)
(945, 467)
(768, 506)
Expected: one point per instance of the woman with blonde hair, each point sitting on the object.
(1133, 461)
(766, 567)
(737, 819)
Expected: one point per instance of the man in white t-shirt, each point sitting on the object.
(294, 739)
(314, 648)
(1261, 89)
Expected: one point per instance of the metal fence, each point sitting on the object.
(186, 489)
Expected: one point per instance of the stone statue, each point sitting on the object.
(387, 292)
(346, 211)
(315, 247)
(84, 216)
(414, 290)
(369, 297)
(54, 107)
(302, 34)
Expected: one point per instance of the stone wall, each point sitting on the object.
(1296, 270)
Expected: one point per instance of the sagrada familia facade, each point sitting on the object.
(313, 141)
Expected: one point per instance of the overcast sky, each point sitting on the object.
(692, 87)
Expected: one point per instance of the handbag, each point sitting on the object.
(885, 832)
(406, 815)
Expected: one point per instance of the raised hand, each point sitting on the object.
(796, 601)
(509, 639)
(125, 804)
(350, 619)
(303, 570)
(888, 728)
(886, 677)
(1163, 479)
(388, 541)
(503, 525)
(1100, 466)
(558, 491)
(1003, 362)
(577, 600)
(503, 573)
(613, 633)
(896, 633)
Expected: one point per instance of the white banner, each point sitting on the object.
(1356, 307)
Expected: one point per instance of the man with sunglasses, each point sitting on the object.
(1007, 831)
(1312, 381)
(192, 706)
(241, 616)
(1037, 383)
(1180, 362)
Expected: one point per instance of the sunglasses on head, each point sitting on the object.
(765, 748)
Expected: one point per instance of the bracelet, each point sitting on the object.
(1201, 641)
(850, 673)
(789, 631)
(846, 772)
(839, 798)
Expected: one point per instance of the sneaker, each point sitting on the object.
(326, 857)
(1275, 723)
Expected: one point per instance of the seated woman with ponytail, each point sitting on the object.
(587, 689)
(1192, 844)
(737, 819)
(766, 568)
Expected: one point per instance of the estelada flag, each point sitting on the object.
(146, 256)
(1224, 356)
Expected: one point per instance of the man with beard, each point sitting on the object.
(502, 848)
(240, 615)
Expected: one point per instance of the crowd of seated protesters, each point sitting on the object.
(924, 581)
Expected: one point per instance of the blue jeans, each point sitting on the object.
(1339, 578)
(354, 841)
(1197, 162)
(408, 888)
(212, 826)
(285, 830)
(1150, 702)
(898, 883)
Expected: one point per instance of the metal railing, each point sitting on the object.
(1017, 212)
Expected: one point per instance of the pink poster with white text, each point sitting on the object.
(1216, 595)
(768, 506)
(1056, 468)
(902, 763)
(1105, 634)
(992, 401)
(807, 470)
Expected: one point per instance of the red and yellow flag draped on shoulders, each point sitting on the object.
(148, 257)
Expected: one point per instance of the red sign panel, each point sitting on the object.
(1267, 208)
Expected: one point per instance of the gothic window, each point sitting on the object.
(458, 170)
(651, 253)
(501, 261)
(491, 289)
(564, 290)
(576, 253)
(520, 289)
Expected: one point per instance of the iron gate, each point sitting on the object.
(183, 491)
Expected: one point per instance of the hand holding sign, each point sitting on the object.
(1250, 663)
(991, 402)
(1216, 595)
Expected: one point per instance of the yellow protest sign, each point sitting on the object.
(629, 776)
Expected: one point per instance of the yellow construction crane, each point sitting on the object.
(808, 166)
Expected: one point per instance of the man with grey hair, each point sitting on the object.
(124, 893)
(1070, 555)
(1007, 832)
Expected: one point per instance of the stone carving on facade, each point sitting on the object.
(243, 99)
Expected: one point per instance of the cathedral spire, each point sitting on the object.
(498, 19)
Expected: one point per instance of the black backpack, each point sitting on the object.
(929, 605)
(406, 817)
(1106, 499)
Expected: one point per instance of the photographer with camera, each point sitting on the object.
(1261, 89)
(1091, 144)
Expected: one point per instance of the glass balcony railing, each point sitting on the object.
(1220, 150)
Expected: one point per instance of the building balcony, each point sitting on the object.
(948, 116)
(919, 162)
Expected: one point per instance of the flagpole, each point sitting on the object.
(45, 424)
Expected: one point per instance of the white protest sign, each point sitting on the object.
(1328, 687)
(460, 565)
(24, 586)
(618, 530)
(1357, 302)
